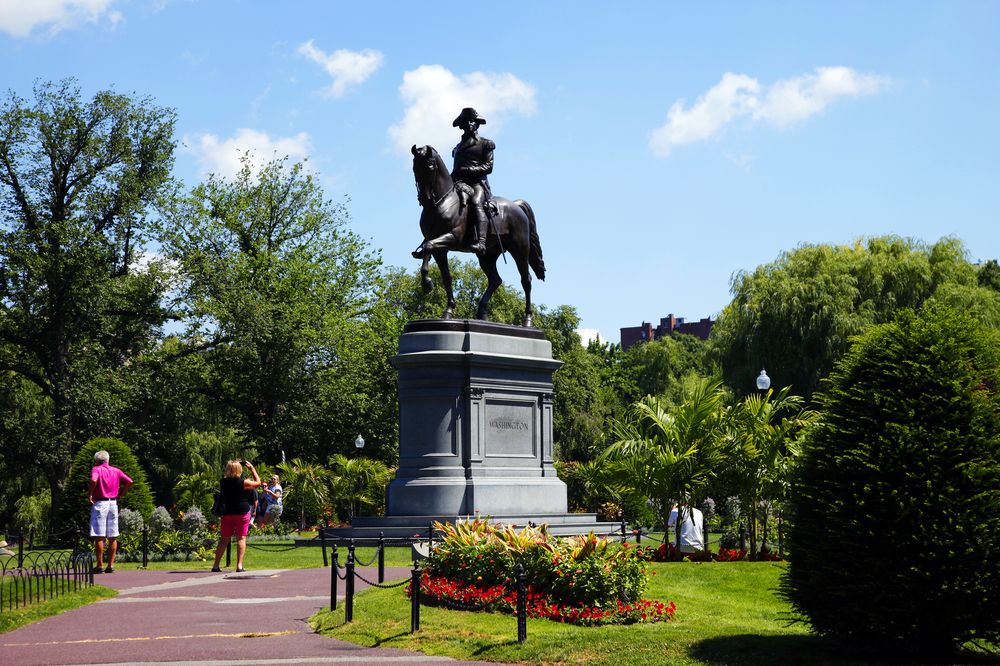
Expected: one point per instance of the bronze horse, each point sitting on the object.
(444, 220)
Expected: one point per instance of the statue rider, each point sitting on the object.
(473, 162)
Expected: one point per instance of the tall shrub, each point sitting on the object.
(895, 541)
(75, 510)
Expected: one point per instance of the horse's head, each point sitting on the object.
(431, 174)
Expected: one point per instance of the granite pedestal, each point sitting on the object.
(475, 431)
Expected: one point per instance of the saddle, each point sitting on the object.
(464, 191)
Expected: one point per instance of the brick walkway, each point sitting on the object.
(196, 617)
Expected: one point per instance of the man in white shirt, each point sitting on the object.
(692, 528)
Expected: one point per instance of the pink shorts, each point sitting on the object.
(235, 526)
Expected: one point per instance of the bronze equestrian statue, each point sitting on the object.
(460, 203)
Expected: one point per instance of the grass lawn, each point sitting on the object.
(12, 619)
(727, 613)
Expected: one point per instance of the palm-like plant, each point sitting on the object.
(597, 483)
(307, 486)
(672, 455)
(196, 490)
(762, 444)
(358, 481)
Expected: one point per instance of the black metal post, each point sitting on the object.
(334, 570)
(522, 606)
(638, 535)
(415, 597)
(322, 544)
(430, 538)
(624, 528)
(20, 551)
(381, 557)
(145, 547)
(743, 538)
(349, 607)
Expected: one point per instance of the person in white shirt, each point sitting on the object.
(692, 528)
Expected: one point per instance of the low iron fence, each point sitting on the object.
(33, 576)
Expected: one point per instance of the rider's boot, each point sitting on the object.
(481, 224)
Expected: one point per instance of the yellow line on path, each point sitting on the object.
(263, 634)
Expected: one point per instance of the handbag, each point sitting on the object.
(218, 506)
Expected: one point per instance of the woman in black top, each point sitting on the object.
(235, 519)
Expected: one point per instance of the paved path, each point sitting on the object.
(196, 617)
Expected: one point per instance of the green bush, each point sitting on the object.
(160, 520)
(74, 511)
(895, 542)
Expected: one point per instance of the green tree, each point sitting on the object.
(661, 367)
(903, 479)
(79, 180)
(762, 443)
(796, 316)
(275, 288)
(669, 456)
(989, 275)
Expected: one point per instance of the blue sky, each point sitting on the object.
(663, 146)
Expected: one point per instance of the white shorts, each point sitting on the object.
(104, 519)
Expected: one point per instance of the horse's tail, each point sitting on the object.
(535, 246)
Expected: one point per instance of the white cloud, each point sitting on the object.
(222, 156)
(434, 96)
(20, 18)
(735, 95)
(781, 104)
(796, 99)
(347, 68)
(588, 334)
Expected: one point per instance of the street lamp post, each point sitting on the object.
(359, 444)
(763, 381)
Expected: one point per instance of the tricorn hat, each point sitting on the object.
(468, 113)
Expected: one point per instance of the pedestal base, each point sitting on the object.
(475, 422)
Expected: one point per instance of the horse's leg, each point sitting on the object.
(522, 268)
(425, 278)
(488, 262)
(441, 257)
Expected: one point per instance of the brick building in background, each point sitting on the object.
(669, 324)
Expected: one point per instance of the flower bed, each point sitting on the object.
(578, 579)
(668, 553)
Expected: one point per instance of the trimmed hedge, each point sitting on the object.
(895, 541)
(75, 508)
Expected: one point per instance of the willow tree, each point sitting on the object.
(795, 316)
